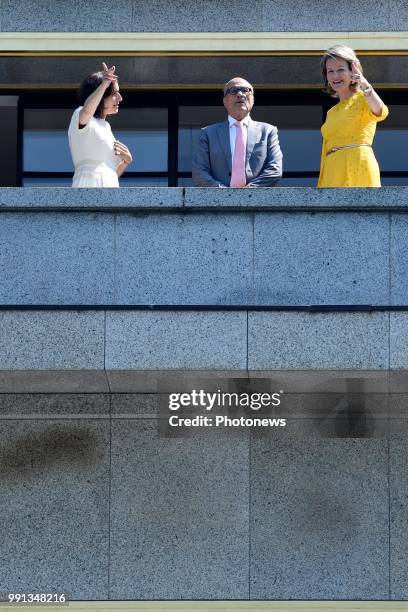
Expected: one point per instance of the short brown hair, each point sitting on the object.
(341, 52)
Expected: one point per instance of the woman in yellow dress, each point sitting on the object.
(347, 157)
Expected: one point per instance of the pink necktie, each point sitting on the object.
(238, 176)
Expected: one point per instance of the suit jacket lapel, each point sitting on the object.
(253, 131)
(224, 138)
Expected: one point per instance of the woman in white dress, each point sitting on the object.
(98, 158)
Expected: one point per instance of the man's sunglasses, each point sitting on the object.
(234, 90)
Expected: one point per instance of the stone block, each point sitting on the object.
(66, 16)
(51, 198)
(398, 499)
(42, 340)
(398, 340)
(135, 405)
(173, 340)
(397, 16)
(182, 16)
(54, 406)
(398, 381)
(341, 381)
(189, 259)
(296, 198)
(319, 516)
(50, 258)
(163, 381)
(53, 381)
(398, 256)
(287, 340)
(54, 504)
(179, 514)
(282, 16)
(337, 258)
(337, 415)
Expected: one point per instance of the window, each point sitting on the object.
(47, 159)
(390, 144)
(300, 140)
(162, 129)
(46, 155)
(299, 135)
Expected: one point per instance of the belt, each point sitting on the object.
(350, 146)
(93, 163)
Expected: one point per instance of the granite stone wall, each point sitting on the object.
(180, 247)
(206, 16)
(99, 502)
(158, 278)
(107, 297)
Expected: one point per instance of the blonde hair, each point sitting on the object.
(341, 52)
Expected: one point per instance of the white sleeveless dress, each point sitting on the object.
(92, 153)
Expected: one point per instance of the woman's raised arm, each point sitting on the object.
(92, 102)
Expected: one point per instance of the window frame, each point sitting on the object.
(50, 99)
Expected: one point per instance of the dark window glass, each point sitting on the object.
(46, 149)
(45, 140)
(391, 144)
(49, 181)
(191, 120)
(299, 133)
(185, 181)
(144, 131)
(47, 160)
(143, 181)
(298, 181)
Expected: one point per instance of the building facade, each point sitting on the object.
(172, 63)
(112, 299)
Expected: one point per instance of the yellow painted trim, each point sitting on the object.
(219, 606)
(165, 42)
(168, 53)
(160, 86)
(184, 86)
(191, 53)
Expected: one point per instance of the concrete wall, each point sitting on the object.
(132, 340)
(97, 499)
(207, 16)
(159, 246)
(176, 248)
(98, 503)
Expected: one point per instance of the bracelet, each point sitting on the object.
(368, 91)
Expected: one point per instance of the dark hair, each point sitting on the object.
(88, 86)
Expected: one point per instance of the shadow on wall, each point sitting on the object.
(28, 456)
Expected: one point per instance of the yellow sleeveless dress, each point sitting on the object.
(350, 122)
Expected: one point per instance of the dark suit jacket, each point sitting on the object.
(212, 160)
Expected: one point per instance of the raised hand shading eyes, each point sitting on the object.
(109, 73)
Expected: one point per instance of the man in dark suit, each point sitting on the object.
(238, 152)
